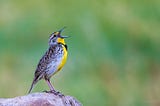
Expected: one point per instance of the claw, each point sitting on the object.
(57, 93)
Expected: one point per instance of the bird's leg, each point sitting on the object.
(52, 90)
(50, 85)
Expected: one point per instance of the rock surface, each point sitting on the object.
(40, 99)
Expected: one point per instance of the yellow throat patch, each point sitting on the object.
(61, 40)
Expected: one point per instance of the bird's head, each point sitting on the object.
(56, 38)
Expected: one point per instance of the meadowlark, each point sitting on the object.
(52, 61)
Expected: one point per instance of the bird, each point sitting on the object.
(52, 61)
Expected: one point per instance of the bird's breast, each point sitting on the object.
(59, 58)
(64, 58)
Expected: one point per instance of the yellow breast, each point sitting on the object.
(64, 58)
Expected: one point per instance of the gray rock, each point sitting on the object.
(40, 99)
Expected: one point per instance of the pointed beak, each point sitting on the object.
(60, 31)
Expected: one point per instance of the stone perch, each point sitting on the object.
(40, 99)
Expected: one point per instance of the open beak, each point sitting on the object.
(60, 31)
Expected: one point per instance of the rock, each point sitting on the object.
(40, 99)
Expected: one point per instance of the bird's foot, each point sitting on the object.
(57, 93)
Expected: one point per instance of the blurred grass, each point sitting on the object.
(113, 49)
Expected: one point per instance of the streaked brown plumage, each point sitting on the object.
(52, 61)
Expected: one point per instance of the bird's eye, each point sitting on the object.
(54, 35)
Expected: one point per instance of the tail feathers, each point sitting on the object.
(33, 83)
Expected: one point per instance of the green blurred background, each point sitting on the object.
(114, 52)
